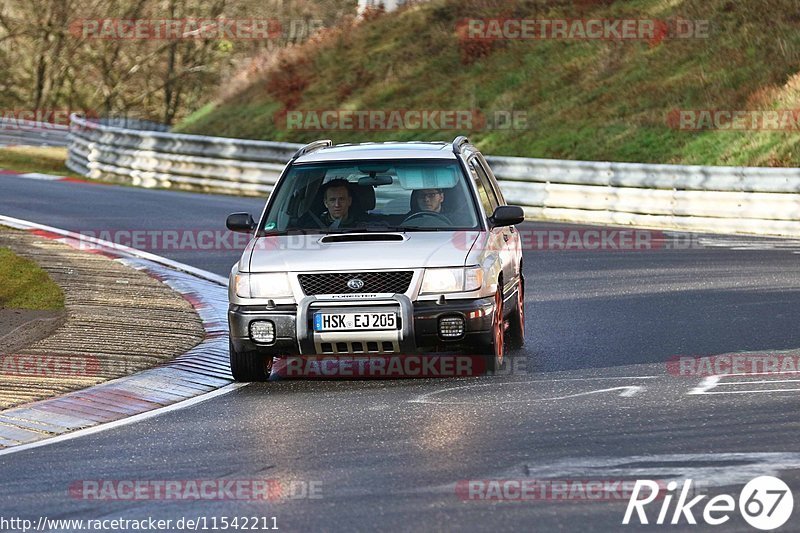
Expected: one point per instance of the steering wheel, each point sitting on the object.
(420, 214)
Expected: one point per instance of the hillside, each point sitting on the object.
(591, 99)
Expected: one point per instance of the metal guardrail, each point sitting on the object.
(726, 199)
(133, 124)
(32, 133)
(163, 159)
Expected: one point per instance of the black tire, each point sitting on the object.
(249, 366)
(515, 336)
(496, 350)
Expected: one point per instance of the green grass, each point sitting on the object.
(23, 285)
(595, 100)
(46, 160)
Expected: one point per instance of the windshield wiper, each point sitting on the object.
(365, 229)
(372, 228)
(384, 228)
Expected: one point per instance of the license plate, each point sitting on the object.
(354, 321)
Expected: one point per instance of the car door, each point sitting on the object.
(511, 234)
(498, 237)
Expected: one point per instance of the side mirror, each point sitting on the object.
(240, 222)
(507, 215)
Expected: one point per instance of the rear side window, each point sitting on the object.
(492, 180)
(485, 192)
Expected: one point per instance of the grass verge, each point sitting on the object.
(612, 100)
(43, 159)
(24, 285)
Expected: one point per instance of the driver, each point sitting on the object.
(338, 200)
(430, 200)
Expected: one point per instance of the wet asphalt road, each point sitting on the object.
(590, 398)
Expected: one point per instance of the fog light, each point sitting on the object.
(451, 327)
(262, 331)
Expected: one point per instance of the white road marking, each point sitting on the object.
(39, 176)
(712, 382)
(760, 382)
(706, 384)
(125, 421)
(628, 390)
(752, 391)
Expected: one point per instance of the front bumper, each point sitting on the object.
(418, 332)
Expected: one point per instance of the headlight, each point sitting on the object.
(473, 278)
(267, 285)
(441, 280)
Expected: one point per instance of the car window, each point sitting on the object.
(485, 193)
(404, 195)
(492, 180)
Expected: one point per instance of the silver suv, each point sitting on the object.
(378, 248)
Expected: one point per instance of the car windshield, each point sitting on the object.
(341, 197)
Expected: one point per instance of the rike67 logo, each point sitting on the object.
(766, 503)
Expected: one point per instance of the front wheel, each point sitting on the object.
(516, 328)
(496, 351)
(249, 366)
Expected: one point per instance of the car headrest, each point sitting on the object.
(452, 200)
(317, 205)
(363, 197)
(414, 207)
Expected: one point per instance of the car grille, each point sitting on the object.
(336, 283)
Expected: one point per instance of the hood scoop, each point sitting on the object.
(362, 237)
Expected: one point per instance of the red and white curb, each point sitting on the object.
(198, 375)
(46, 177)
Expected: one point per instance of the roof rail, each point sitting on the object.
(310, 147)
(458, 142)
